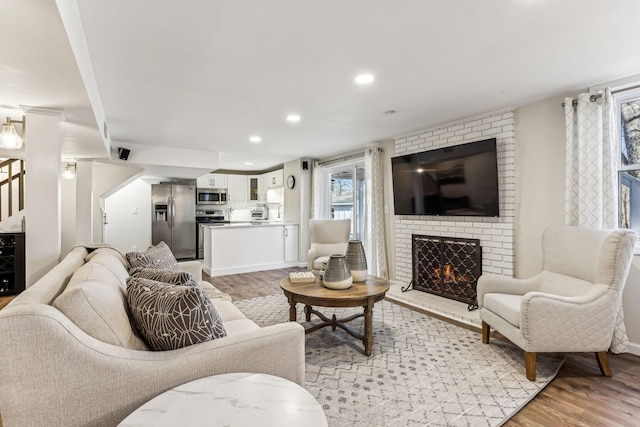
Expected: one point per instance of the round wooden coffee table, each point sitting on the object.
(361, 294)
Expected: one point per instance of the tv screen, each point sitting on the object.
(461, 180)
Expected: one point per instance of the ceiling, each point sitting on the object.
(206, 75)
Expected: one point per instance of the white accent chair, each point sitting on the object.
(326, 237)
(572, 305)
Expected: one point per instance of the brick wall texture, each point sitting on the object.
(495, 234)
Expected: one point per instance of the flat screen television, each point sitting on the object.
(461, 180)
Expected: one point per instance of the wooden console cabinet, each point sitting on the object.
(12, 263)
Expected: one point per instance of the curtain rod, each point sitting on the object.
(596, 96)
(340, 159)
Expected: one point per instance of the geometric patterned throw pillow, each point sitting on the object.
(172, 316)
(158, 257)
(171, 277)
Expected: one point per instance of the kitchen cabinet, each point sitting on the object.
(244, 248)
(269, 180)
(237, 186)
(290, 243)
(212, 180)
(254, 188)
(274, 178)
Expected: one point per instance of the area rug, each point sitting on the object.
(422, 372)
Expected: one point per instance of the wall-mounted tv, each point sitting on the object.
(461, 180)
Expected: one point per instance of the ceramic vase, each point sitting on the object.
(337, 274)
(356, 260)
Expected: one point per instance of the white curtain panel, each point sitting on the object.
(316, 191)
(591, 190)
(375, 246)
(591, 175)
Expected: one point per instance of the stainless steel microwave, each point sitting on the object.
(211, 196)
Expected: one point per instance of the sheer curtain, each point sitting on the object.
(319, 197)
(591, 190)
(375, 246)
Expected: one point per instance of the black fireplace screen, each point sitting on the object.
(447, 266)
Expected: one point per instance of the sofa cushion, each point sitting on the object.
(227, 310)
(165, 276)
(109, 251)
(158, 257)
(172, 316)
(213, 292)
(94, 300)
(112, 263)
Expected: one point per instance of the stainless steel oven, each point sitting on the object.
(211, 196)
(204, 216)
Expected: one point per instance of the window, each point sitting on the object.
(346, 195)
(628, 112)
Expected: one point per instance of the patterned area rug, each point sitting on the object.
(422, 372)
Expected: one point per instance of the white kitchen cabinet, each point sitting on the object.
(274, 178)
(269, 180)
(237, 187)
(290, 243)
(245, 248)
(212, 180)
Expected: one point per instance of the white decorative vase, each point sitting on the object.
(337, 274)
(356, 260)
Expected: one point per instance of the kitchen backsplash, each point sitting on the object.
(242, 211)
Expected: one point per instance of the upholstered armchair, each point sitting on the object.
(572, 305)
(326, 237)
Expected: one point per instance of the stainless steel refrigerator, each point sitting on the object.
(174, 217)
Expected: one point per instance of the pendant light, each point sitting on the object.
(9, 138)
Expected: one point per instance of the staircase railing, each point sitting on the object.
(7, 187)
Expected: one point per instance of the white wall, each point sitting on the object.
(108, 179)
(42, 194)
(540, 179)
(126, 229)
(68, 225)
(630, 298)
(297, 203)
(388, 151)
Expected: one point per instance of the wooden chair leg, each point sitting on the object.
(530, 365)
(603, 363)
(486, 329)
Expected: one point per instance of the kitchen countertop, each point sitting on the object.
(247, 224)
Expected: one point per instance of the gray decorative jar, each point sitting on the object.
(337, 274)
(356, 260)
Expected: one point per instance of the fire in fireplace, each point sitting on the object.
(446, 266)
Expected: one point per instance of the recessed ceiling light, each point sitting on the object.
(364, 79)
(248, 163)
(255, 139)
(293, 118)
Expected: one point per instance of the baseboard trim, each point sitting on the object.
(247, 269)
(634, 349)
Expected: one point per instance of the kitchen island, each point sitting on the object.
(249, 246)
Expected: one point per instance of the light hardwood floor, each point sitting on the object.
(578, 396)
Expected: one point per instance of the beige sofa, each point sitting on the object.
(55, 372)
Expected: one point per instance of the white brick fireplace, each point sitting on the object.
(496, 235)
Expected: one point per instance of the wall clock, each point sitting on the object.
(291, 181)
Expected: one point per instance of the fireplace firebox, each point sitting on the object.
(446, 266)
